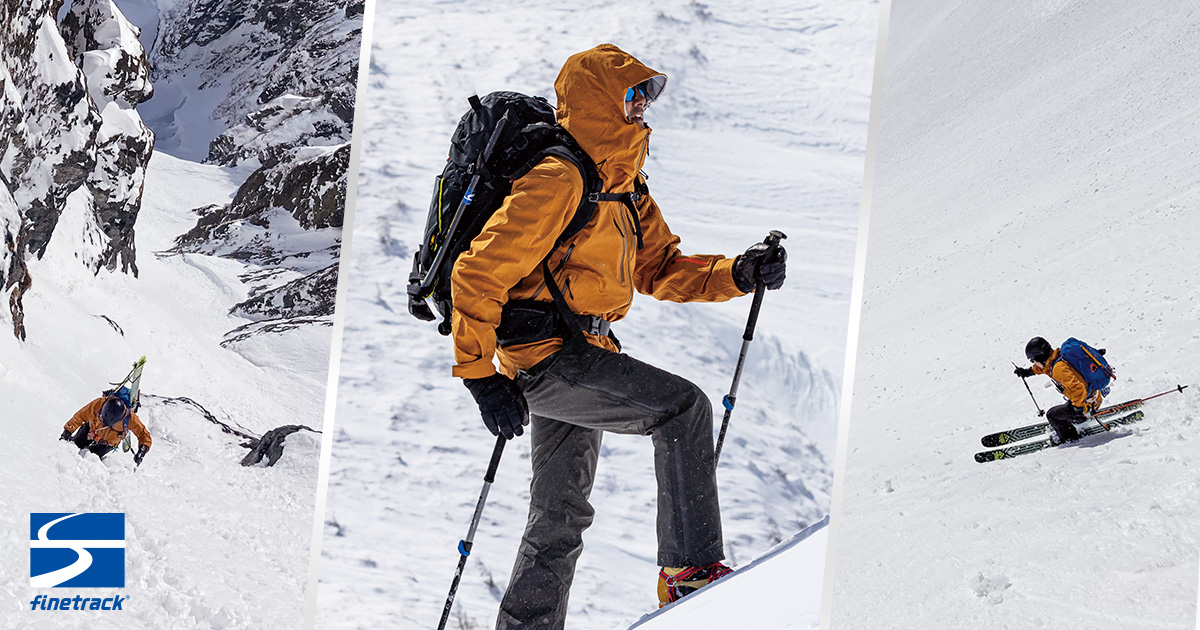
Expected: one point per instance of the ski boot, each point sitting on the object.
(1057, 437)
(674, 583)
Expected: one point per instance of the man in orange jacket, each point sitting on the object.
(570, 383)
(1046, 359)
(101, 425)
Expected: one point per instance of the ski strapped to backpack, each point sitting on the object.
(499, 140)
(1089, 363)
(129, 391)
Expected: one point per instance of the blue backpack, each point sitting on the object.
(126, 396)
(1090, 364)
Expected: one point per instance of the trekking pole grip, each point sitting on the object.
(760, 285)
(490, 475)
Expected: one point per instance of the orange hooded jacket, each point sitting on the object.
(1069, 382)
(597, 270)
(100, 433)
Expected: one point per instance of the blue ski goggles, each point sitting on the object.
(650, 89)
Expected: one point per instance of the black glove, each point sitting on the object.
(752, 266)
(1023, 372)
(501, 404)
(140, 455)
(66, 436)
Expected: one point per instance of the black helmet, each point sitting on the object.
(1038, 350)
(113, 411)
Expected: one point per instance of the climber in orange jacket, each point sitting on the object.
(101, 425)
(569, 381)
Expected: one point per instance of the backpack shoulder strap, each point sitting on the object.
(566, 148)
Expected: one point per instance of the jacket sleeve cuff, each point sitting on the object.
(724, 269)
(475, 369)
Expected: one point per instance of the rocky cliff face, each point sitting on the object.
(276, 79)
(286, 80)
(106, 48)
(66, 121)
(286, 216)
(252, 52)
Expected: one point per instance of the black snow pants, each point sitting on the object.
(1063, 419)
(82, 441)
(574, 396)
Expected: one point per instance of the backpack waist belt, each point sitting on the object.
(595, 326)
(527, 321)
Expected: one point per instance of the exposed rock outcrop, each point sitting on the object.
(273, 216)
(285, 76)
(270, 445)
(106, 48)
(66, 120)
(310, 295)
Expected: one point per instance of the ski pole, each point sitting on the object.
(1138, 402)
(1035, 403)
(464, 546)
(1178, 388)
(760, 288)
(1128, 405)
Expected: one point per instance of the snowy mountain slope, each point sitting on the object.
(211, 544)
(249, 82)
(1035, 176)
(221, 64)
(736, 152)
(779, 589)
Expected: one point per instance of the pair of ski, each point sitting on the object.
(1102, 420)
(1096, 424)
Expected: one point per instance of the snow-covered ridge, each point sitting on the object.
(238, 78)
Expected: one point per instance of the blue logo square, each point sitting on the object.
(77, 550)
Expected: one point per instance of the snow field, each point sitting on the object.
(761, 127)
(210, 544)
(1035, 176)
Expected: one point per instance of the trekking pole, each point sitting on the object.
(760, 287)
(464, 546)
(1035, 403)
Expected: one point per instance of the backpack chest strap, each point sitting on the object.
(630, 201)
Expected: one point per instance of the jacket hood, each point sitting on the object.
(591, 106)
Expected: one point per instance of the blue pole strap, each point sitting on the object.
(462, 548)
(728, 402)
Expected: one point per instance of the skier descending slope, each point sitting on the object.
(1080, 373)
(568, 380)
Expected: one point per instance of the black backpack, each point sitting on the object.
(502, 137)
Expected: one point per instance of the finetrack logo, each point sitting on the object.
(76, 551)
(41, 602)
